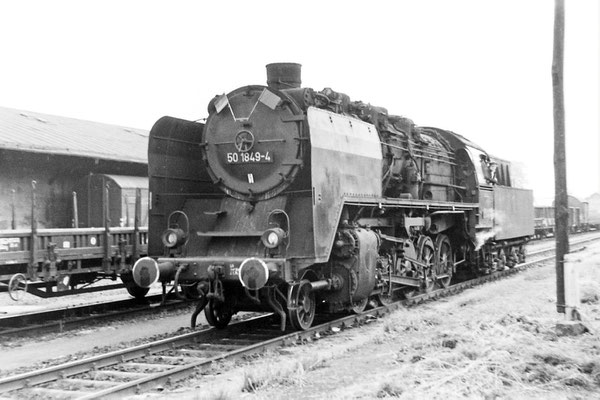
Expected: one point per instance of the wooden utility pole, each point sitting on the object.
(561, 205)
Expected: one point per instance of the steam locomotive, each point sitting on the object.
(300, 202)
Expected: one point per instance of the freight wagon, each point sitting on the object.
(51, 262)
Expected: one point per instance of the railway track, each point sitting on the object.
(144, 367)
(63, 319)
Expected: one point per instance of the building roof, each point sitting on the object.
(130, 182)
(41, 133)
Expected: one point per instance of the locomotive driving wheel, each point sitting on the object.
(426, 255)
(17, 286)
(360, 306)
(132, 288)
(444, 260)
(217, 313)
(384, 299)
(301, 311)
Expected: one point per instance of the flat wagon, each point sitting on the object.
(56, 262)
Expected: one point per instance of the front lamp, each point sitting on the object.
(173, 237)
(273, 237)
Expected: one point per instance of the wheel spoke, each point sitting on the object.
(426, 253)
(303, 314)
(444, 261)
(17, 286)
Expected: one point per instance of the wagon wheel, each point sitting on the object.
(426, 255)
(217, 313)
(501, 263)
(444, 260)
(512, 257)
(17, 285)
(522, 255)
(303, 306)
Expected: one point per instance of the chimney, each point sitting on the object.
(283, 75)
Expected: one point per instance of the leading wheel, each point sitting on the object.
(132, 288)
(302, 308)
(217, 314)
(17, 286)
(137, 291)
(444, 261)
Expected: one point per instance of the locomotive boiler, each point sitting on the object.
(299, 201)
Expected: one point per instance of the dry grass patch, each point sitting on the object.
(518, 356)
(280, 375)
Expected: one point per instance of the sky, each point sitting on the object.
(481, 68)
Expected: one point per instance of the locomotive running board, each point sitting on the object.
(230, 234)
(406, 203)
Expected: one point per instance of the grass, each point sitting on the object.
(291, 374)
(515, 356)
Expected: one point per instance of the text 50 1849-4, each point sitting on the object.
(249, 157)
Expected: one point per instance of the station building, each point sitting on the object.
(64, 155)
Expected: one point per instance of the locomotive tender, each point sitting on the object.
(296, 201)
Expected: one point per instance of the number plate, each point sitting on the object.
(252, 157)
